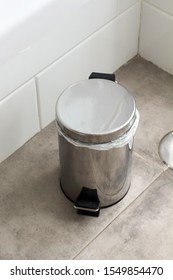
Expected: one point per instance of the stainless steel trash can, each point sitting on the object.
(96, 121)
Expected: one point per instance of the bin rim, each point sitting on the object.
(117, 143)
(112, 114)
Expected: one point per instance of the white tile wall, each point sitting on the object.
(156, 36)
(123, 5)
(38, 37)
(164, 5)
(18, 119)
(104, 51)
(89, 35)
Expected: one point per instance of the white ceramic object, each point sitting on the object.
(19, 119)
(156, 37)
(104, 51)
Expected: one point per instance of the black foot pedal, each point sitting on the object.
(87, 203)
(96, 75)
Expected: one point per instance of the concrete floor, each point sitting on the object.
(38, 222)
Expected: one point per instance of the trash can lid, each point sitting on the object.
(95, 111)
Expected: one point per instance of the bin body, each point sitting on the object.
(96, 152)
(109, 171)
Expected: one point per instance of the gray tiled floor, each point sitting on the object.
(38, 222)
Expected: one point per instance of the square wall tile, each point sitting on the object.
(18, 119)
(104, 51)
(156, 37)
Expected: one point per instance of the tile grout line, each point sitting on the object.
(132, 202)
(105, 25)
(145, 159)
(38, 102)
(140, 25)
(155, 7)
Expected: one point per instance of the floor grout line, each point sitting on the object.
(132, 202)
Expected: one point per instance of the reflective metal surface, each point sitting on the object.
(108, 171)
(96, 121)
(95, 111)
(166, 149)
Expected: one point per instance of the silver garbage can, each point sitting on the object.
(96, 120)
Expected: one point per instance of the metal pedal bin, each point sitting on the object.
(96, 121)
